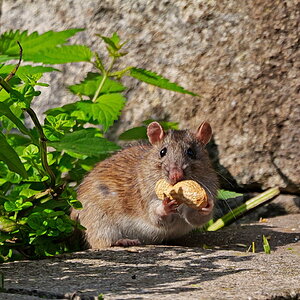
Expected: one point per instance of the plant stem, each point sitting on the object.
(251, 203)
(100, 87)
(121, 72)
(4, 82)
(105, 75)
(15, 69)
(43, 146)
(5, 85)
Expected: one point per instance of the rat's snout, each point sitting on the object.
(175, 175)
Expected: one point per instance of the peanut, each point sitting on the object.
(186, 191)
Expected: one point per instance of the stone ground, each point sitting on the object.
(211, 265)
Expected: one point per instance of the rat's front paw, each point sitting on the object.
(167, 207)
(207, 210)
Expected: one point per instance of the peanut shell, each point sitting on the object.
(186, 191)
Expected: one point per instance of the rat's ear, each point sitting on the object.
(204, 133)
(155, 132)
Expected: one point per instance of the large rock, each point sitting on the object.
(240, 58)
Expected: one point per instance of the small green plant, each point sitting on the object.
(266, 245)
(37, 183)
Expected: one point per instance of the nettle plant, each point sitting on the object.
(41, 164)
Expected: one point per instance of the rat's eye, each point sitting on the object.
(163, 152)
(191, 153)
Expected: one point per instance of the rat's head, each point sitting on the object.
(180, 154)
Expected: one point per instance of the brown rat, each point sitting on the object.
(120, 206)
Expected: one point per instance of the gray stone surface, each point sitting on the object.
(241, 57)
(224, 271)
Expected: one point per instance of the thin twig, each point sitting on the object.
(105, 76)
(3, 82)
(14, 71)
(43, 146)
(5, 85)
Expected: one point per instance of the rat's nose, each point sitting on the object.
(175, 175)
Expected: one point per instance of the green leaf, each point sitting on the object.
(24, 71)
(16, 140)
(266, 245)
(10, 206)
(113, 45)
(85, 142)
(62, 55)
(35, 221)
(4, 58)
(157, 80)
(135, 133)
(24, 95)
(31, 151)
(112, 41)
(34, 42)
(223, 194)
(7, 225)
(104, 111)
(8, 176)
(11, 158)
(56, 126)
(25, 205)
(28, 193)
(89, 85)
(76, 204)
(6, 111)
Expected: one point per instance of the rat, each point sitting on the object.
(120, 207)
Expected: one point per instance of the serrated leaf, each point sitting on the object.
(113, 41)
(223, 194)
(85, 142)
(109, 42)
(113, 45)
(62, 55)
(10, 157)
(34, 42)
(89, 86)
(135, 133)
(26, 70)
(157, 80)
(105, 111)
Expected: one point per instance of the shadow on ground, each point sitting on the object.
(166, 271)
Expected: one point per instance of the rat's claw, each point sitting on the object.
(208, 209)
(168, 206)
